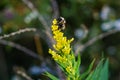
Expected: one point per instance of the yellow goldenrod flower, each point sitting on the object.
(66, 50)
(70, 70)
(62, 53)
(54, 22)
(61, 41)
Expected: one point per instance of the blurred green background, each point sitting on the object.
(86, 20)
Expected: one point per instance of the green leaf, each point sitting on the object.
(90, 76)
(96, 73)
(104, 71)
(72, 54)
(62, 68)
(100, 73)
(51, 76)
(77, 65)
(88, 71)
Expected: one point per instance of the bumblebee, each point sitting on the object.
(61, 23)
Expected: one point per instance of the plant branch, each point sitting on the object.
(20, 71)
(55, 8)
(48, 36)
(93, 40)
(21, 48)
(17, 32)
(33, 9)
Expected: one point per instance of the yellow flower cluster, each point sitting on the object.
(62, 44)
(62, 48)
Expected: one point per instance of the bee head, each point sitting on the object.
(61, 23)
(61, 20)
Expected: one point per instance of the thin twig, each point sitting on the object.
(93, 40)
(20, 71)
(21, 48)
(33, 9)
(47, 32)
(49, 39)
(46, 36)
(55, 8)
(17, 32)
